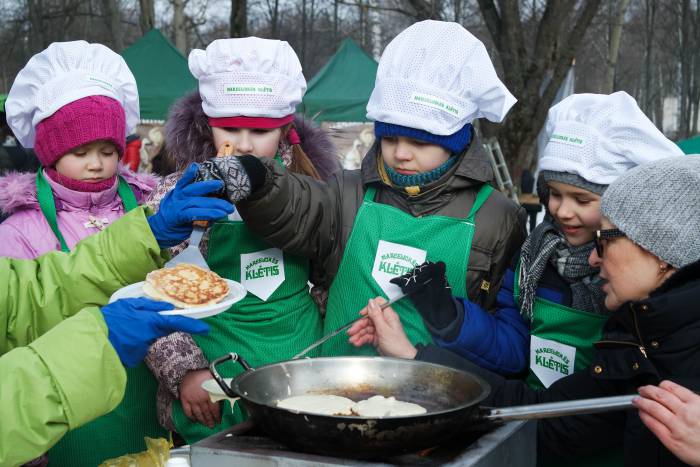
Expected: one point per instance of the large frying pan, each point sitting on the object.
(450, 396)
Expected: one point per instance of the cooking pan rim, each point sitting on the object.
(485, 389)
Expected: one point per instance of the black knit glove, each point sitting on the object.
(433, 300)
(241, 175)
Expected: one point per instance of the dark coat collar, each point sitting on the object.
(675, 305)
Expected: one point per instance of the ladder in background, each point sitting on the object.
(500, 168)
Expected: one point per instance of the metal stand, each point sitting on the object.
(500, 168)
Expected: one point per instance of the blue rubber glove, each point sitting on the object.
(134, 323)
(172, 224)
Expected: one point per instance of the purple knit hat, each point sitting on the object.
(83, 121)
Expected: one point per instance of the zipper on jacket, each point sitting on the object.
(641, 348)
(639, 334)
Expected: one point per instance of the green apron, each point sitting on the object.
(122, 430)
(561, 339)
(277, 318)
(386, 242)
(561, 342)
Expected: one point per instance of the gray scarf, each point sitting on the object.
(546, 244)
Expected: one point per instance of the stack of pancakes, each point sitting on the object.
(186, 285)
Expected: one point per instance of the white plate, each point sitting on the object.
(236, 292)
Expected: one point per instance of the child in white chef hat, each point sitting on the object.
(74, 104)
(246, 101)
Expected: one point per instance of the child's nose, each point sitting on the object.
(244, 145)
(403, 151)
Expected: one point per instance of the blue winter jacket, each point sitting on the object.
(500, 341)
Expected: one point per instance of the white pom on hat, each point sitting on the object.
(437, 77)
(63, 73)
(249, 77)
(599, 137)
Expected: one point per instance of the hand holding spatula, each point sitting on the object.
(192, 254)
(172, 224)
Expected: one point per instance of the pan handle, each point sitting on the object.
(559, 409)
(217, 377)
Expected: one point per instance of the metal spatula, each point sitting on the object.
(344, 327)
(191, 254)
(349, 324)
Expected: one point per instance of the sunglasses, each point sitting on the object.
(601, 236)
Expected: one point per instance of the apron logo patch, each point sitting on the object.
(262, 272)
(551, 360)
(393, 260)
(266, 267)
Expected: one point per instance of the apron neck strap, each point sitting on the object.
(516, 282)
(127, 195)
(481, 197)
(47, 203)
(369, 194)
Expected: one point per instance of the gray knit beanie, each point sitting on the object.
(657, 206)
(573, 179)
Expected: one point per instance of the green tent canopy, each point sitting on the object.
(3, 98)
(161, 73)
(340, 91)
(690, 145)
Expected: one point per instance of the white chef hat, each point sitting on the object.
(63, 73)
(437, 77)
(599, 137)
(250, 77)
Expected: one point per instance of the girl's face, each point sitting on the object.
(409, 156)
(575, 210)
(92, 162)
(260, 142)
(631, 273)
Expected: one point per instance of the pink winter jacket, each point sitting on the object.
(26, 234)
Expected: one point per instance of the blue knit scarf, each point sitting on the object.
(420, 179)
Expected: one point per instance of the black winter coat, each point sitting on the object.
(643, 343)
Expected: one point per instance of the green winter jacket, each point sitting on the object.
(57, 375)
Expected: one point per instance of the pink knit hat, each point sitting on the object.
(83, 121)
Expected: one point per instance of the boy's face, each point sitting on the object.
(408, 156)
(92, 162)
(259, 142)
(575, 210)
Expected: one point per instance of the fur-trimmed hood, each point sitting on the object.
(18, 190)
(188, 137)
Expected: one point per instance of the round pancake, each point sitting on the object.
(186, 285)
(318, 404)
(380, 406)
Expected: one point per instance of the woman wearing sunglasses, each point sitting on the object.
(648, 252)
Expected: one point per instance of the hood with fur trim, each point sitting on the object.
(18, 190)
(188, 137)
